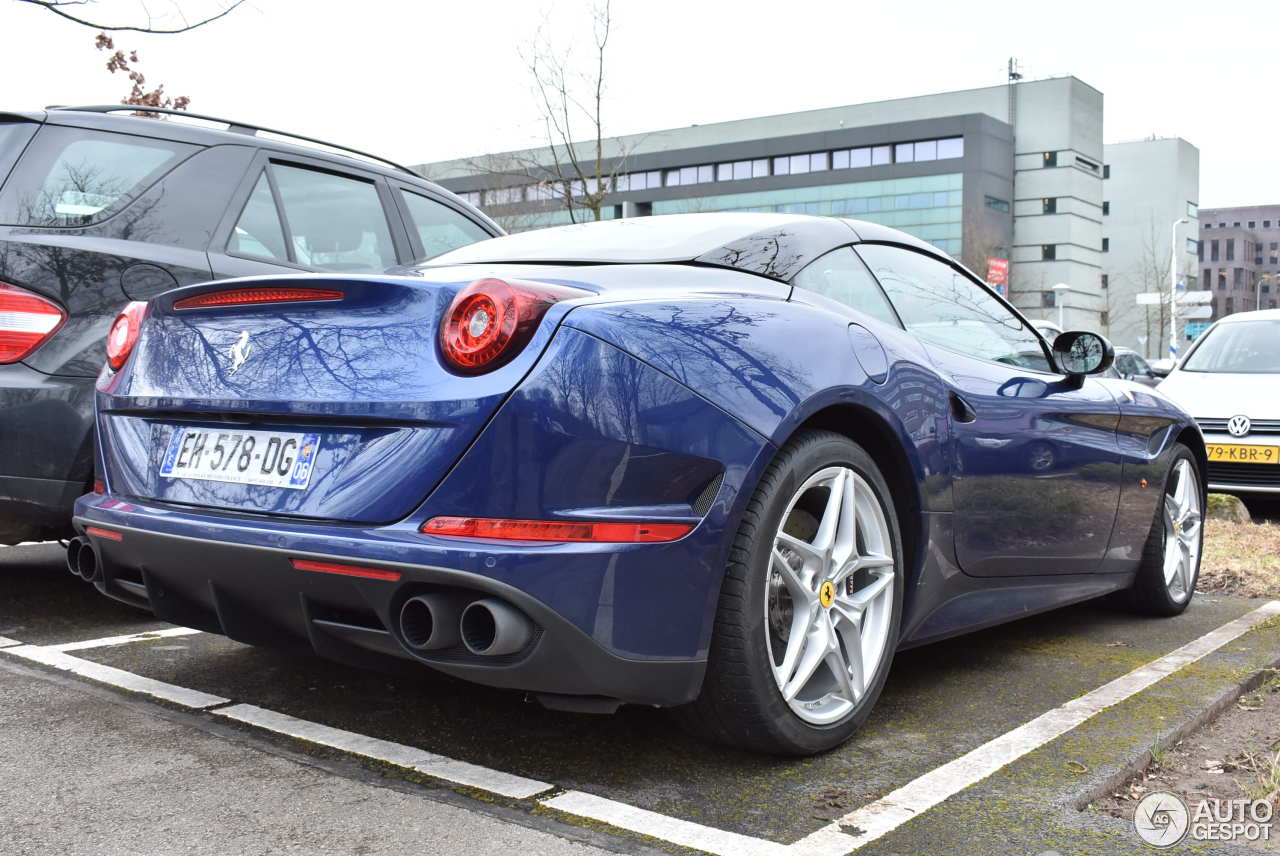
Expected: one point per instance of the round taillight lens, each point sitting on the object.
(124, 334)
(491, 320)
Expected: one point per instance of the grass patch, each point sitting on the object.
(1241, 559)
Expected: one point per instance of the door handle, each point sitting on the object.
(961, 410)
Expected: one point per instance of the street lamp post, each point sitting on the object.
(1059, 297)
(1173, 289)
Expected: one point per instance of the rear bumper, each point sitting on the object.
(251, 592)
(46, 451)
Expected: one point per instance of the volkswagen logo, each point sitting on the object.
(1238, 426)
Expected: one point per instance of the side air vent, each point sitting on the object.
(702, 504)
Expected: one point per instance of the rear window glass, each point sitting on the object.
(74, 176)
(13, 139)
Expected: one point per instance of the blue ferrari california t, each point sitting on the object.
(723, 463)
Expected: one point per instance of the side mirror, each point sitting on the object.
(1079, 353)
(1162, 368)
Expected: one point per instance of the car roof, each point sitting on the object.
(772, 245)
(1255, 315)
(186, 132)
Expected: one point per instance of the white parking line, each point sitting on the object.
(662, 827)
(116, 677)
(874, 820)
(108, 641)
(894, 809)
(6, 642)
(429, 763)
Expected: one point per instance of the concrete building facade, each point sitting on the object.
(1009, 172)
(1148, 186)
(1239, 257)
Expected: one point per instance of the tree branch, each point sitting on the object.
(56, 7)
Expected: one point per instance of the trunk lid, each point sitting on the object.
(356, 383)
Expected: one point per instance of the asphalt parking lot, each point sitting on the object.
(990, 743)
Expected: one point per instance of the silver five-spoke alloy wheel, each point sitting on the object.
(1182, 521)
(829, 601)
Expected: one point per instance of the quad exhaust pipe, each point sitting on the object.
(486, 627)
(82, 560)
(491, 628)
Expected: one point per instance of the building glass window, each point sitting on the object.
(927, 150)
(724, 172)
(782, 166)
(840, 159)
(950, 147)
(904, 153)
(1213, 250)
(997, 204)
(1106, 281)
(705, 173)
(859, 157)
(1106, 245)
(881, 155)
(1050, 159)
(1251, 224)
(1231, 249)
(741, 170)
(1049, 205)
(673, 178)
(1266, 224)
(799, 164)
(1193, 210)
(1193, 247)
(1106, 208)
(688, 175)
(1106, 170)
(1048, 252)
(760, 168)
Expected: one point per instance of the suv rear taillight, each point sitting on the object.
(26, 322)
(491, 320)
(124, 334)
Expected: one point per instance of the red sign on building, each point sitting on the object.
(998, 275)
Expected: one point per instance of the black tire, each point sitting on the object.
(740, 703)
(1149, 594)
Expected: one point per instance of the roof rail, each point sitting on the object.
(234, 127)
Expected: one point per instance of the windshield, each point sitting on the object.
(1241, 347)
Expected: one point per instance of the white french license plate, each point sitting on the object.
(268, 458)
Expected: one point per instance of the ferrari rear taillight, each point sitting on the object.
(255, 296)
(614, 532)
(124, 334)
(26, 322)
(491, 320)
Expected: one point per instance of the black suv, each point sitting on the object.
(99, 208)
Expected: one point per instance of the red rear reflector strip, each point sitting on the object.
(555, 530)
(109, 534)
(99, 486)
(346, 570)
(251, 296)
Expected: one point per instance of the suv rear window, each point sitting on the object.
(13, 139)
(74, 176)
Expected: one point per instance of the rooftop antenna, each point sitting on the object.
(1014, 73)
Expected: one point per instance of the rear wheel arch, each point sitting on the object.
(870, 430)
(1192, 439)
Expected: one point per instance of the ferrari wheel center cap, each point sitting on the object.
(827, 594)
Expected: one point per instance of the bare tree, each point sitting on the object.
(579, 167)
(151, 22)
(137, 94)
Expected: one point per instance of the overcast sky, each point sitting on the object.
(433, 79)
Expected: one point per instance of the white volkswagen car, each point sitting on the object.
(1230, 382)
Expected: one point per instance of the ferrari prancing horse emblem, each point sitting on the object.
(827, 594)
(240, 352)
